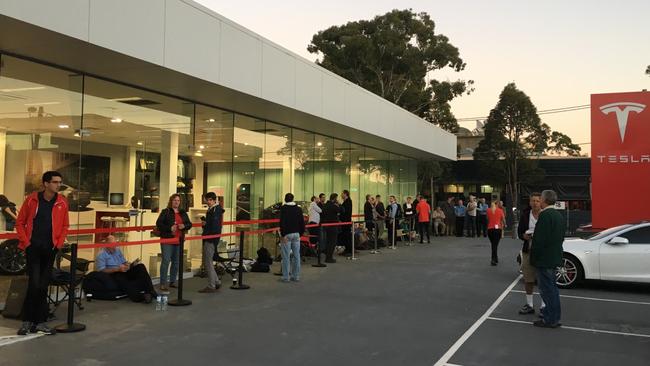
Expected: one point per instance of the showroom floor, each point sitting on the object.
(431, 304)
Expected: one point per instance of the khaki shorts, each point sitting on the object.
(527, 270)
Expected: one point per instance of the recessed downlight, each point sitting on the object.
(63, 125)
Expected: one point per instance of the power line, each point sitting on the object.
(542, 112)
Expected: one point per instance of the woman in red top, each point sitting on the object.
(496, 218)
(424, 211)
(173, 222)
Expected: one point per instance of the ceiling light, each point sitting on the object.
(139, 143)
(319, 144)
(22, 89)
(127, 99)
(245, 143)
(210, 120)
(198, 153)
(64, 126)
(116, 120)
(236, 156)
(201, 147)
(40, 104)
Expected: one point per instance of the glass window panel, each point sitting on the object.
(302, 146)
(140, 135)
(323, 158)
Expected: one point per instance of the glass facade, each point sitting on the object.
(120, 148)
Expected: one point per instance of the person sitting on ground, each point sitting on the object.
(132, 278)
(438, 222)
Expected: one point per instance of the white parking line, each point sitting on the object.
(594, 299)
(574, 328)
(7, 340)
(468, 333)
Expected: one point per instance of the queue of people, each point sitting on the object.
(42, 225)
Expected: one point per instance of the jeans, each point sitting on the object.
(422, 228)
(460, 225)
(495, 238)
(169, 254)
(209, 248)
(40, 260)
(550, 294)
(471, 225)
(292, 245)
(135, 282)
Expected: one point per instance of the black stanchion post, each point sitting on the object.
(240, 282)
(376, 231)
(179, 301)
(318, 246)
(70, 326)
(352, 256)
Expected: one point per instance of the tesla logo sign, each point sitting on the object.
(620, 156)
(622, 110)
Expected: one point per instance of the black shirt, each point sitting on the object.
(42, 232)
(381, 211)
(291, 220)
(330, 213)
(367, 211)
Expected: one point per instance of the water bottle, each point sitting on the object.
(164, 303)
(158, 303)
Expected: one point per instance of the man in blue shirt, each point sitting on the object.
(460, 211)
(131, 278)
(482, 217)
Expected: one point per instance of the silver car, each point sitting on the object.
(621, 253)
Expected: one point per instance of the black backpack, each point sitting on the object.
(264, 256)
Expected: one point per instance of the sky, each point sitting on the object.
(557, 52)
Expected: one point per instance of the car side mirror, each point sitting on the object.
(619, 240)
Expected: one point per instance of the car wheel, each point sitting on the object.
(12, 259)
(570, 273)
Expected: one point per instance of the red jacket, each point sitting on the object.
(25, 221)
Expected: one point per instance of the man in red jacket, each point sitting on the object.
(42, 226)
(424, 213)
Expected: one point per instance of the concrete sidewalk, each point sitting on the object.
(400, 307)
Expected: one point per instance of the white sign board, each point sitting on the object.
(560, 205)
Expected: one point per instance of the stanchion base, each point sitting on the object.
(392, 248)
(375, 252)
(239, 287)
(179, 302)
(320, 265)
(70, 328)
(352, 258)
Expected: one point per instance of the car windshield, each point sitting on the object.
(607, 232)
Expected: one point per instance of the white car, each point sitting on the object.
(621, 253)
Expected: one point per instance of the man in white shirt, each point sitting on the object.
(525, 231)
(314, 218)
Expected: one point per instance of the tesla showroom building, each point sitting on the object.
(135, 100)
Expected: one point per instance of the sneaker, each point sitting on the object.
(217, 286)
(43, 329)
(284, 280)
(542, 324)
(295, 279)
(25, 328)
(164, 288)
(208, 290)
(526, 309)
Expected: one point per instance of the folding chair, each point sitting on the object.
(60, 282)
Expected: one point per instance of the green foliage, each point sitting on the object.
(392, 55)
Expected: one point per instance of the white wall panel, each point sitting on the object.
(333, 98)
(241, 60)
(68, 17)
(309, 87)
(192, 41)
(135, 28)
(278, 76)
